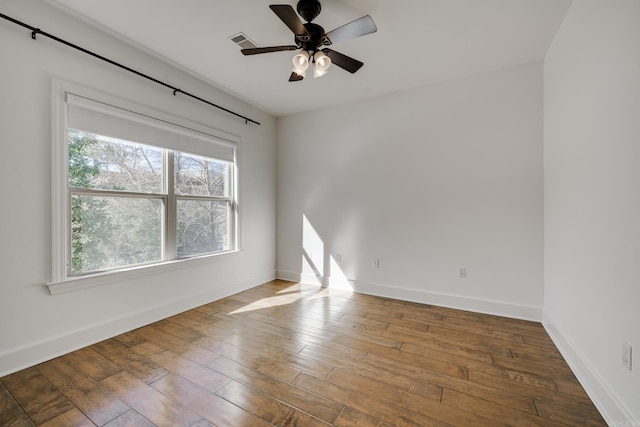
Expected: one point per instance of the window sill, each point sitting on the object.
(71, 284)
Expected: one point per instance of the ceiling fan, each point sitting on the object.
(312, 39)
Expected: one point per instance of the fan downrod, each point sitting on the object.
(309, 9)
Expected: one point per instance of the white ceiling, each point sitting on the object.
(419, 42)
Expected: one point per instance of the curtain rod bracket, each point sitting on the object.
(176, 90)
(34, 32)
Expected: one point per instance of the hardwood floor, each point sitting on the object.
(286, 354)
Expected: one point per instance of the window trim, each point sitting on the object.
(60, 281)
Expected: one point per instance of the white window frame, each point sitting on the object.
(61, 281)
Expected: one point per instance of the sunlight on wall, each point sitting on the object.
(337, 278)
(318, 264)
(312, 254)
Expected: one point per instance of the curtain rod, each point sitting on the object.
(35, 31)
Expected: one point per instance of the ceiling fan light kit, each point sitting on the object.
(312, 39)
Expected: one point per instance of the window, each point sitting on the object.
(138, 190)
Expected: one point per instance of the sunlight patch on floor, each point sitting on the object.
(292, 294)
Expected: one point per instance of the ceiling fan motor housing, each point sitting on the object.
(316, 39)
(309, 9)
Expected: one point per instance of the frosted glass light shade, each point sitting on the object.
(322, 63)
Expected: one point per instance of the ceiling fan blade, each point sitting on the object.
(289, 16)
(357, 28)
(257, 50)
(295, 77)
(343, 61)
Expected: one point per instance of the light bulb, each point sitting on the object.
(301, 61)
(322, 63)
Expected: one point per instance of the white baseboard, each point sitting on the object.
(30, 355)
(613, 411)
(498, 308)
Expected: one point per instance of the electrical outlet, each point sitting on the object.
(376, 263)
(626, 355)
(338, 259)
(462, 271)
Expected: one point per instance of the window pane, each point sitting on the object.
(108, 232)
(203, 227)
(199, 176)
(104, 163)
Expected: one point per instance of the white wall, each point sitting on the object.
(35, 325)
(424, 180)
(592, 199)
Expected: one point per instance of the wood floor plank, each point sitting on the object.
(23, 423)
(351, 319)
(510, 399)
(92, 363)
(310, 331)
(341, 350)
(259, 362)
(164, 339)
(264, 337)
(528, 352)
(365, 343)
(82, 391)
(537, 367)
(213, 408)
(130, 419)
(385, 392)
(494, 411)
(198, 374)
(569, 412)
(278, 335)
(266, 407)
(460, 416)
(39, 399)
(129, 339)
(150, 403)
(310, 403)
(292, 359)
(314, 353)
(476, 335)
(182, 332)
(72, 418)
(570, 385)
(10, 412)
(408, 327)
(422, 347)
(455, 370)
(290, 354)
(130, 361)
(202, 323)
(350, 417)
(364, 403)
(446, 355)
(512, 380)
(472, 345)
